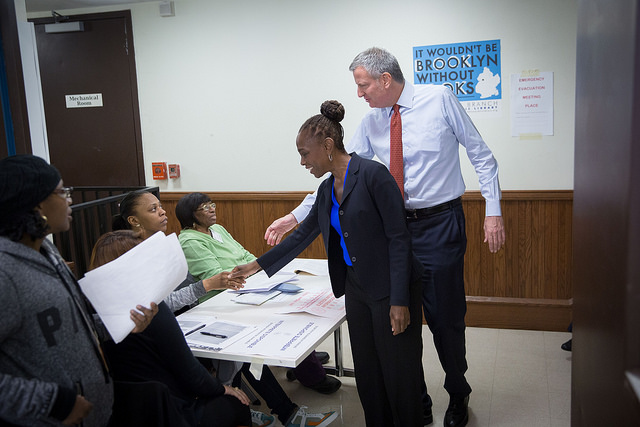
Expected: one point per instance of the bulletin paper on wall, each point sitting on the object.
(471, 70)
(532, 104)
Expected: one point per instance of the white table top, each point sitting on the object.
(272, 324)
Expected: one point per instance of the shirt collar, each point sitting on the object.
(406, 98)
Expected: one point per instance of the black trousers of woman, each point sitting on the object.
(387, 367)
(224, 411)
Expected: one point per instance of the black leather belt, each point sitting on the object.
(425, 212)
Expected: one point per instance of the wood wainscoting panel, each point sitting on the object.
(246, 215)
(526, 285)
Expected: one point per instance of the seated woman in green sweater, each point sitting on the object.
(210, 249)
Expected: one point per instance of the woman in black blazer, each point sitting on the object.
(360, 213)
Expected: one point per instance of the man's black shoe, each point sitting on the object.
(327, 386)
(566, 346)
(457, 414)
(427, 416)
(322, 356)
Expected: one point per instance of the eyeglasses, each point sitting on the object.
(64, 192)
(207, 207)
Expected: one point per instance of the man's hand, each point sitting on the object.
(142, 320)
(400, 319)
(279, 228)
(494, 233)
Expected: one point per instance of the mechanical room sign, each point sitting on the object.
(471, 70)
(84, 100)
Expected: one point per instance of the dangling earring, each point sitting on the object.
(330, 157)
(44, 217)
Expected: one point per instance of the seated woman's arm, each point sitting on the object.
(185, 296)
(189, 294)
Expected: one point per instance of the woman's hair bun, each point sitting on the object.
(332, 110)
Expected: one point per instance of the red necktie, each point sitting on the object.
(395, 158)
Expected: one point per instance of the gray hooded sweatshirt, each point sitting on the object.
(48, 349)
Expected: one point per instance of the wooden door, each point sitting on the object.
(14, 123)
(606, 221)
(92, 145)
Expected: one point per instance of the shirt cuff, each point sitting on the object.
(300, 213)
(493, 208)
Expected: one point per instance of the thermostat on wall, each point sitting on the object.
(174, 171)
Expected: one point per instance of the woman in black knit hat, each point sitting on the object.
(52, 371)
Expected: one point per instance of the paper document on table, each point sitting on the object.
(260, 282)
(147, 273)
(190, 326)
(280, 338)
(218, 335)
(319, 303)
(316, 267)
(255, 298)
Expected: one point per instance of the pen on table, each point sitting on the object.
(198, 328)
(211, 334)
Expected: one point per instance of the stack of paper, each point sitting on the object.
(255, 298)
(260, 282)
(147, 273)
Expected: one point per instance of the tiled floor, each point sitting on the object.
(519, 378)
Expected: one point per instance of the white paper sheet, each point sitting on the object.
(147, 273)
(280, 338)
(319, 303)
(316, 267)
(190, 326)
(532, 103)
(218, 335)
(255, 298)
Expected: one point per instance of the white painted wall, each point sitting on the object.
(224, 86)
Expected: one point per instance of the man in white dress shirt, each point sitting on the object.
(434, 124)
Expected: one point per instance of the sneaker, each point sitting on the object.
(304, 419)
(259, 419)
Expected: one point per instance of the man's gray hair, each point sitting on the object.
(377, 61)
